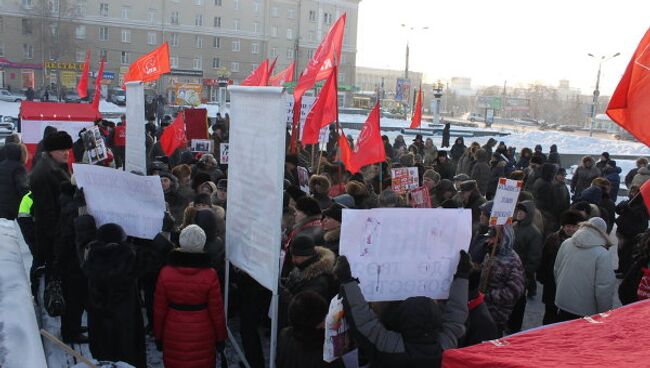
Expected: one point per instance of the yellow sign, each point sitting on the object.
(63, 65)
(69, 79)
(188, 94)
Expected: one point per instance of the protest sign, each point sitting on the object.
(505, 201)
(307, 103)
(303, 179)
(202, 145)
(420, 198)
(136, 153)
(398, 253)
(255, 182)
(94, 145)
(404, 179)
(134, 202)
(223, 153)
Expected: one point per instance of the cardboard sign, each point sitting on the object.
(505, 201)
(303, 179)
(223, 154)
(202, 145)
(404, 179)
(398, 253)
(94, 145)
(420, 198)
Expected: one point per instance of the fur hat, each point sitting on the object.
(319, 184)
(600, 182)
(192, 239)
(111, 233)
(308, 206)
(335, 212)
(208, 158)
(182, 171)
(57, 141)
(571, 217)
(356, 189)
(209, 184)
(432, 175)
(407, 159)
(517, 175)
(306, 311)
(468, 186)
(303, 246)
(388, 198)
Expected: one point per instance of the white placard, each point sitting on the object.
(135, 202)
(255, 181)
(505, 201)
(303, 179)
(398, 253)
(307, 103)
(94, 145)
(202, 145)
(223, 153)
(135, 152)
(32, 130)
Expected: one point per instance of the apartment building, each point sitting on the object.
(44, 41)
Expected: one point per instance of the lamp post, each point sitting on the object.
(594, 104)
(409, 29)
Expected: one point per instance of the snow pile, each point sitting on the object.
(106, 107)
(9, 108)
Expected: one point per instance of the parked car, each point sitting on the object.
(5, 95)
(118, 97)
(71, 96)
(473, 116)
(7, 126)
(566, 128)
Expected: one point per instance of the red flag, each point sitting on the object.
(629, 105)
(282, 77)
(645, 194)
(323, 112)
(98, 85)
(416, 120)
(345, 152)
(271, 69)
(259, 76)
(173, 136)
(82, 86)
(370, 147)
(151, 66)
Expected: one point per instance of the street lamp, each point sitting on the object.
(594, 104)
(406, 64)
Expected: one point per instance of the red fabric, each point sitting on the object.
(173, 136)
(189, 338)
(259, 76)
(151, 66)
(472, 304)
(98, 85)
(629, 105)
(324, 112)
(119, 138)
(370, 147)
(645, 194)
(416, 121)
(336, 190)
(270, 72)
(196, 124)
(32, 110)
(643, 291)
(614, 341)
(296, 231)
(283, 77)
(82, 86)
(346, 153)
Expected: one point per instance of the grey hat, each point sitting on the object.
(345, 200)
(192, 239)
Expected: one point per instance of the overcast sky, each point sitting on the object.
(520, 41)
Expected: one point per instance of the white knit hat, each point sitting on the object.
(599, 223)
(192, 239)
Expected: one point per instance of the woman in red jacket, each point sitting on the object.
(188, 318)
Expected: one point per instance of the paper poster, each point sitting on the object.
(32, 130)
(202, 145)
(397, 253)
(404, 179)
(255, 181)
(94, 145)
(223, 154)
(132, 201)
(419, 198)
(303, 179)
(505, 201)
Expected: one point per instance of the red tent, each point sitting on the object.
(69, 117)
(613, 339)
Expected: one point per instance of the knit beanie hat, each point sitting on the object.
(308, 206)
(571, 217)
(110, 233)
(302, 246)
(57, 141)
(192, 239)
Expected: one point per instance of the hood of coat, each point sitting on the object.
(491, 142)
(530, 213)
(110, 262)
(13, 152)
(506, 247)
(644, 171)
(189, 262)
(482, 155)
(324, 264)
(548, 171)
(460, 141)
(590, 236)
(418, 320)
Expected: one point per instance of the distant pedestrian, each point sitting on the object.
(446, 135)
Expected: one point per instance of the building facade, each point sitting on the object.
(43, 42)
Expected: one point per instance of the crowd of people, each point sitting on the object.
(560, 237)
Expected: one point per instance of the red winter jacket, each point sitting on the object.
(188, 311)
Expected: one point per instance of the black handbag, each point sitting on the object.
(53, 298)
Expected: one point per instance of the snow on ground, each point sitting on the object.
(9, 108)
(110, 108)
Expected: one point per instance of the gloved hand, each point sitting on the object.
(464, 265)
(159, 345)
(168, 222)
(342, 270)
(221, 347)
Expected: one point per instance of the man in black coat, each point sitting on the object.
(45, 181)
(13, 181)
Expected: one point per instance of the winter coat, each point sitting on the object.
(497, 170)
(582, 178)
(421, 330)
(298, 349)
(465, 163)
(445, 169)
(489, 146)
(641, 177)
(613, 174)
(630, 176)
(477, 249)
(188, 311)
(331, 240)
(445, 135)
(627, 290)
(481, 171)
(115, 322)
(324, 201)
(523, 163)
(528, 240)
(554, 158)
(475, 202)
(562, 199)
(632, 220)
(583, 273)
(215, 173)
(505, 280)
(532, 174)
(13, 182)
(67, 257)
(545, 271)
(310, 226)
(177, 203)
(457, 150)
(480, 325)
(545, 199)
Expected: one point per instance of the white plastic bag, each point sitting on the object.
(337, 340)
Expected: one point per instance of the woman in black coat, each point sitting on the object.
(13, 180)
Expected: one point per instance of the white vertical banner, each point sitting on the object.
(255, 181)
(136, 152)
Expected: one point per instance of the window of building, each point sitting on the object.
(126, 12)
(152, 15)
(197, 63)
(274, 11)
(215, 63)
(236, 4)
(174, 18)
(198, 42)
(198, 20)
(174, 39)
(80, 8)
(273, 52)
(290, 53)
(53, 6)
(234, 67)
(27, 4)
(236, 45)
(26, 26)
(126, 35)
(256, 6)
(256, 27)
(173, 61)
(255, 48)
(126, 58)
(2, 23)
(327, 18)
(312, 15)
(217, 2)
(80, 32)
(103, 33)
(236, 24)
(216, 42)
(80, 56)
(274, 31)
(28, 51)
(217, 22)
(2, 48)
(103, 9)
(289, 34)
(341, 77)
(54, 29)
(103, 54)
(152, 38)
(291, 13)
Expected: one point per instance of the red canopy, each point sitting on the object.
(30, 110)
(614, 339)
